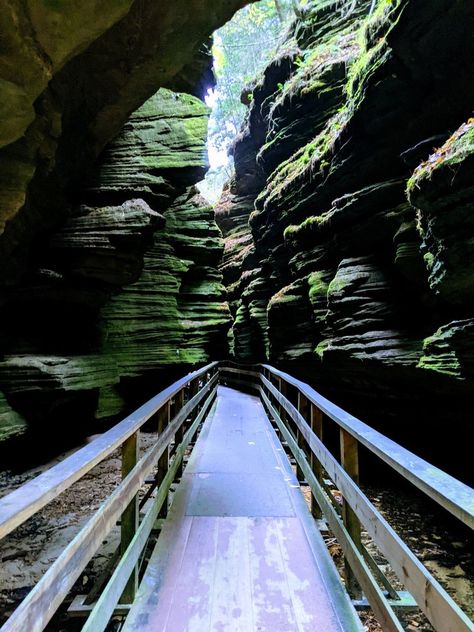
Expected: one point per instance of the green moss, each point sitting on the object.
(321, 348)
(318, 286)
(337, 285)
(321, 148)
(454, 151)
(11, 423)
(373, 49)
(362, 69)
(310, 224)
(429, 260)
(287, 294)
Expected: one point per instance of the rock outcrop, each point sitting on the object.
(360, 272)
(70, 76)
(126, 292)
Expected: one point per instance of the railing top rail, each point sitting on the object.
(21, 504)
(447, 491)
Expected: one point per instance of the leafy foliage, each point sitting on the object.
(241, 50)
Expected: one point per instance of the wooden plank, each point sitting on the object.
(163, 462)
(25, 501)
(79, 608)
(179, 403)
(381, 577)
(40, 604)
(453, 495)
(316, 424)
(303, 407)
(385, 615)
(239, 573)
(232, 381)
(434, 601)
(105, 606)
(228, 369)
(232, 585)
(350, 462)
(129, 518)
(236, 494)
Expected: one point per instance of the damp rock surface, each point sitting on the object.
(357, 151)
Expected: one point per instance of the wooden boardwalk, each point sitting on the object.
(240, 550)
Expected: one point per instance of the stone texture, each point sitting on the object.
(450, 350)
(126, 292)
(70, 76)
(105, 243)
(360, 277)
(175, 313)
(146, 159)
(11, 423)
(442, 190)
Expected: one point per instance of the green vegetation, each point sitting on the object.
(455, 150)
(242, 49)
(310, 224)
(319, 151)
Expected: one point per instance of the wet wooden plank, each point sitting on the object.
(225, 494)
(240, 571)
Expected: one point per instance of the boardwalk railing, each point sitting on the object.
(178, 412)
(300, 414)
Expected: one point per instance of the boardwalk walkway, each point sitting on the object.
(240, 550)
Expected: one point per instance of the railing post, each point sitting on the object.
(277, 382)
(129, 518)
(316, 423)
(163, 461)
(350, 462)
(193, 388)
(179, 403)
(303, 409)
(282, 387)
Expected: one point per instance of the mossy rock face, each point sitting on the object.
(70, 76)
(450, 350)
(127, 293)
(11, 423)
(442, 189)
(158, 153)
(372, 280)
(291, 335)
(176, 313)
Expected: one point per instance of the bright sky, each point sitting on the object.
(217, 158)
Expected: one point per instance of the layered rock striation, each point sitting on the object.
(126, 293)
(359, 275)
(70, 77)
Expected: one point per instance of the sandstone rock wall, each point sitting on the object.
(70, 76)
(126, 293)
(360, 272)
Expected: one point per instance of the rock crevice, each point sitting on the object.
(359, 274)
